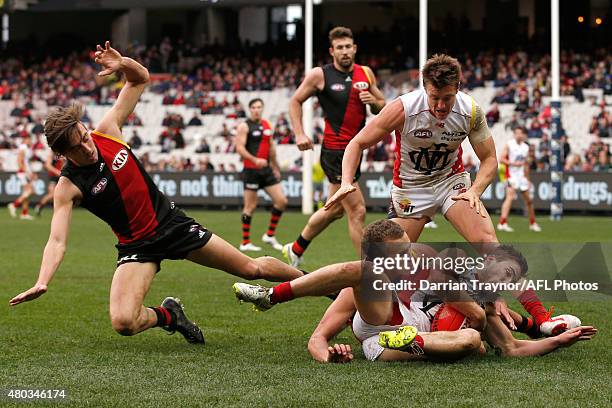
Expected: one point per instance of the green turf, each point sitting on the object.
(64, 339)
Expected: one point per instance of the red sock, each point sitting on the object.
(274, 219)
(531, 220)
(17, 203)
(534, 306)
(281, 293)
(503, 220)
(24, 211)
(418, 340)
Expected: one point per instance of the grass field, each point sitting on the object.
(65, 340)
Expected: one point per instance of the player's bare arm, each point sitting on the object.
(312, 83)
(136, 76)
(66, 194)
(485, 151)
(374, 96)
(334, 320)
(241, 139)
(388, 120)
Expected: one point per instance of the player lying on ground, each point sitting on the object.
(343, 311)
(430, 125)
(103, 175)
(503, 265)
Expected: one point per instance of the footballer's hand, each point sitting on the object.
(367, 98)
(580, 333)
(261, 163)
(501, 309)
(30, 294)
(303, 142)
(108, 57)
(474, 200)
(343, 191)
(340, 354)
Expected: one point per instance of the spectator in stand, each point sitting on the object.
(165, 141)
(177, 138)
(135, 141)
(203, 147)
(195, 120)
(133, 120)
(205, 165)
(225, 132)
(493, 115)
(573, 163)
(565, 148)
(515, 122)
(536, 129)
(603, 162)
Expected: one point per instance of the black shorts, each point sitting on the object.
(331, 162)
(180, 236)
(254, 179)
(53, 179)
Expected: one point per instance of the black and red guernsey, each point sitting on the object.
(119, 191)
(344, 112)
(258, 141)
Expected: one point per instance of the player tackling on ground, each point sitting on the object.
(428, 177)
(344, 89)
(103, 175)
(514, 156)
(254, 143)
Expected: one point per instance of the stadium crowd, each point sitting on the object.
(186, 75)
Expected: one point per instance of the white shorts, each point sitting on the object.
(368, 333)
(418, 202)
(23, 179)
(520, 183)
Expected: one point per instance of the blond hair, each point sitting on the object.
(60, 125)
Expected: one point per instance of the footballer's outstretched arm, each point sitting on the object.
(65, 195)
(333, 322)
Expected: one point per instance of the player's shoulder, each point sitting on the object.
(465, 105)
(414, 102)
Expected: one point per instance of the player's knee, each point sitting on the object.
(472, 341)
(351, 272)
(336, 212)
(478, 319)
(124, 324)
(358, 214)
(281, 203)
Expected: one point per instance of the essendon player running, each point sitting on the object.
(255, 145)
(26, 176)
(104, 176)
(344, 89)
(429, 125)
(53, 165)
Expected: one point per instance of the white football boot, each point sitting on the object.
(12, 210)
(267, 239)
(558, 324)
(258, 295)
(249, 247)
(292, 258)
(535, 227)
(505, 227)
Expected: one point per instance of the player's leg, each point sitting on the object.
(316, 224)
(219, 254)
(505, 210)
(46, 199)
(533, 225)
(279, 204)
(25, 201)
(473, 227)
(354, 206)
(446, 346)
(130, 285)
(412, 226)
(249, 206)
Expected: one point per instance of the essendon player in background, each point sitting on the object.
(103, 175)
(344, 89)
(255, 145)
(53, 165)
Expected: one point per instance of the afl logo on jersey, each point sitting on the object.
(337, 87)
(361, 86)
(120, 159)
(256, 133)
(422, 134)
(99, 187)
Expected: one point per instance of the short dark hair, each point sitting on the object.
(441, 70)
(339, 32)
(523, 129)
(508, 252)
(255, 100)
(382, 231)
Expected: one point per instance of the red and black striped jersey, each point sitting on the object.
(58, 163)
(344, 112)
(258, 141)
(119, 191)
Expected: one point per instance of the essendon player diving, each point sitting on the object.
(255, 145)
(103, 175)
(344, 89)
(53, 165)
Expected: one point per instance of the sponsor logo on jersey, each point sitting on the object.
(348, 79)
(459, 186)
(99, 187)
(405, 205)
(128, 258)
(256, 133)
(361, 85)
(121, 158)
(453, 133)
(337, 87)
(422, 134)
(440, 125)
(268, 132)
(427, 160)
(101, 167)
